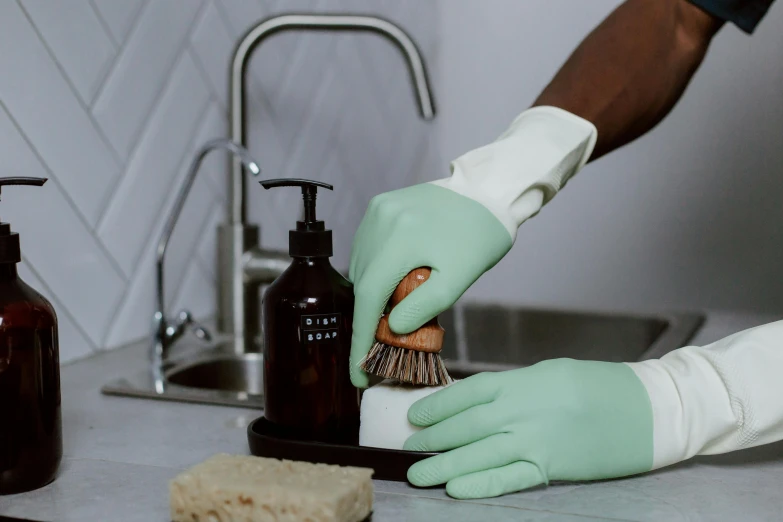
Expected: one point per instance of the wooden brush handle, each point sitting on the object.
(428, 338)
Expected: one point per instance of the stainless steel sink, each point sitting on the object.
(228, 373)
(211, 375)
(478, 338)
(492, 337)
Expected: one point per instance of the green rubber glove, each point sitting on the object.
(459, 226)
(557, 420)
(423, 225)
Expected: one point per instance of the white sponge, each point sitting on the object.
(384, 414)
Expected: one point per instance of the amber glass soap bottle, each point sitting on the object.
(307, 314)
(30, 423)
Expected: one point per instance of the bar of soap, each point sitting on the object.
(384, 414)
(233, 488)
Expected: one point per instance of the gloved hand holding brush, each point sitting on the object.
(459, 226)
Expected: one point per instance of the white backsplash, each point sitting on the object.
(110, 99)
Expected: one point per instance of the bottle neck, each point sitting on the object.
(312, 261)
(8, 271)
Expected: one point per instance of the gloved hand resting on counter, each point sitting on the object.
(582, 420)
(459, 226)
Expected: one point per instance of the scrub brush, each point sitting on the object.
(412, 358)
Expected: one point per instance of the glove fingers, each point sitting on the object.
(437, 294)
(489, 453)
(367, 312)
(456, 398)
(495, 482)
(462, 429)
(372, 291)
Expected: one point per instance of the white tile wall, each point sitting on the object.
(142, 69)
(118, 16)
(110, 99)
(40, 97)
(78, 41)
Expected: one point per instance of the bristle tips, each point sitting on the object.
(409, 366)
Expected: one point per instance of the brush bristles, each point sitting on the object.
(405, 365)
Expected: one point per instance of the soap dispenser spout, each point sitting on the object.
(310, 239)
(309, 192)
(10, 250)
(36, 182)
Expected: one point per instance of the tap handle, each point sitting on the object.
(185, 319)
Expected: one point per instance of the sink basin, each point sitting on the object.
(478, 338)
(229, 373)
(213, 375)
(492, 337)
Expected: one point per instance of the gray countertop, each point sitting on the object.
(121, 452)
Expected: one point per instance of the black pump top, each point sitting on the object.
(9, 241)
(310, 239)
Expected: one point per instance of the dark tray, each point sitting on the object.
(388, 464)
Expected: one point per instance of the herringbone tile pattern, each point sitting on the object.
(110, 99)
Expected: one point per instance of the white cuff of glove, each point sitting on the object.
(525, 167)
(717, 398)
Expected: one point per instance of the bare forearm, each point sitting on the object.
(631, 70)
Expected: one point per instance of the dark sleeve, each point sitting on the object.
(745, 14)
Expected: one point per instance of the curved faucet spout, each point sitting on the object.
(239, 152)
(243, 264)
(312, 22)
(166, 334)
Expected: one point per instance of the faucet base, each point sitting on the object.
(239, 311)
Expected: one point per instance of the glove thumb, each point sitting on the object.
(434, 296)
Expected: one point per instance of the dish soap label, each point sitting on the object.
(320, 328)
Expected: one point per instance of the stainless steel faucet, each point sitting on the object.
(243, 265)
(165, 333)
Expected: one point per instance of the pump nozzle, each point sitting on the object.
(309, 192)
(36, 182)
(9, 241)
(310, 239)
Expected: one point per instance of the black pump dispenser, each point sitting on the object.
(9, 241)
(310, 239)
